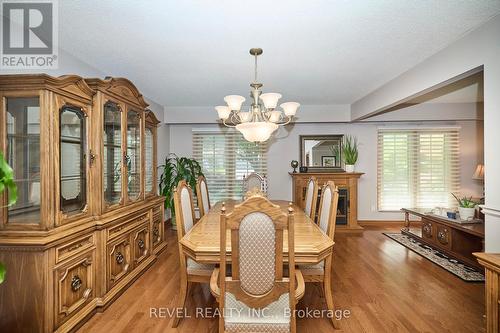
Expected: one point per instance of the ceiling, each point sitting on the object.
(193, 53)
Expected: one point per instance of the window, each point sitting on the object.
(417, 168)
(225, 159)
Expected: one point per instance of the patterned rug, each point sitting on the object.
(466, 273)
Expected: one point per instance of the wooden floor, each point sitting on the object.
(386, 288)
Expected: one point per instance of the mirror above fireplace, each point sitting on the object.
(321, 153)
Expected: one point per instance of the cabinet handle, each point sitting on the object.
(442, 237)
(92, 157)
(76, 283)
(74, 247)
(141, 244)
(427, 230)
(119, 258)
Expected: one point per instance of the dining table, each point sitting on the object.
(312, 245)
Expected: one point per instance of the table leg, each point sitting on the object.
(407, 222)
(328, 289)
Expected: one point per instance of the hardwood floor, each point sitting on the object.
(386, 288)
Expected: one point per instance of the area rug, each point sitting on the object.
(461, 270)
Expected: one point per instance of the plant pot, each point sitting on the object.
(349, 168)
(466, 213)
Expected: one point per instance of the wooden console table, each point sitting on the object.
(455, 239)
(347, 183)
(491, 263)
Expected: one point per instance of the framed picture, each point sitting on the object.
(328, 161)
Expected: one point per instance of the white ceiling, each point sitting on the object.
(193, 53)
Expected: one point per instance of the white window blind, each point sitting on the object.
(225, 159)
(417, 168)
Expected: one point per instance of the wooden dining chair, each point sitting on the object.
(203, 196)
(190, 270)
(255, 181)
(257, 279)
(311, 198)
(327, 217)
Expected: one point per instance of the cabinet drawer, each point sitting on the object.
(118, 260)
(443, 236)
(140, 244)
(74, 247)
(427, 230)
(125, 226)
(74, 286)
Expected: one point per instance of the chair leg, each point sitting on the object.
(181, 300)
(328, 290)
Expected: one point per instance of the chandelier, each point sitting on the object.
(262, 117)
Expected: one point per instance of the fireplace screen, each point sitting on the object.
(342, 207)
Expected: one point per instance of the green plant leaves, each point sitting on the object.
(7, 180)
(465, 202)
(176, 169)
(350, 150)
(3, 271)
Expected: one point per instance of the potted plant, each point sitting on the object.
(176, 169)
(466, 207)
(6, 182)
(350, 152)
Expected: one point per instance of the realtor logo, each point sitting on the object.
(29, 34)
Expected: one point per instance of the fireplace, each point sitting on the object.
(342, 207)
(347, 184)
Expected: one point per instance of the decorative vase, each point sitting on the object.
(466, 214)
(303, 169)
(349, 168)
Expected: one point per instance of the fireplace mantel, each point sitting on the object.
(347, 183)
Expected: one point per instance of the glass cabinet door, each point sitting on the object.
(73, 180)
(23, 155)
(133, 158)
(112, 159)
(148, 172)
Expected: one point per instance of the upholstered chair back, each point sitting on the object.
(311, 197)
(257, 229)
(327, 213)
(203, 197)
(257, 253)
(184, 208)
(255, 181)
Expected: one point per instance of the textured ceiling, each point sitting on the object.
(193, 53)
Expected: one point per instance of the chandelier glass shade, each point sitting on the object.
(263, 117)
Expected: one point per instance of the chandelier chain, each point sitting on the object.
(255, 69)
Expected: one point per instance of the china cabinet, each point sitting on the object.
(88, 219)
